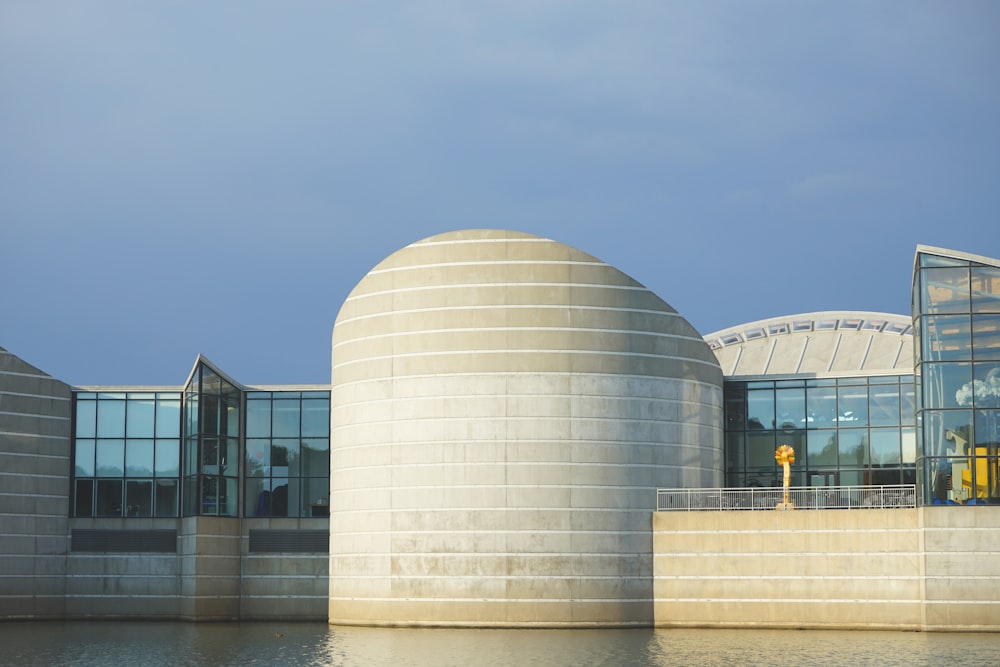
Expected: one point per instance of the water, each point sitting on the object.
(106, 643)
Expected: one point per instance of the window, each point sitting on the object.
(126, 445)
(287, 458)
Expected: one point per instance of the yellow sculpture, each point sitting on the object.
(785, 456)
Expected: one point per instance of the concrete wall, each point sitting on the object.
(35, 415)
(904, 569)
(503, 409)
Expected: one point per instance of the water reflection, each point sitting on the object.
(114, 643)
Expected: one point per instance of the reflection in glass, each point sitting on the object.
(945, 337)
(944, 290)
(84, 497)
(315, 457)
(167, 458)
(111, 419)
(86, 419)
(790, 408)
(84, 462)
(945, 384)
(110, 458)
(760, 449)
(140, 416)
(315, 418)
(760, 409)
(852, 406)
(139, 458)
(821, 448)
(258, 419)
(885, 448)
(986, 337)
(883, 405)
(285, 418)
(985, 289)
(168, 418)
(947, 432)
(853, 447)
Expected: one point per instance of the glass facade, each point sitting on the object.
(287, 453)
(166, 454)
(845, 431)
(956, 312)
(126, 454)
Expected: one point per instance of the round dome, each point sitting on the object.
(503, 409)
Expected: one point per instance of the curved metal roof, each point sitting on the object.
(824, 343)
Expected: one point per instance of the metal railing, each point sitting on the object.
(802, 497)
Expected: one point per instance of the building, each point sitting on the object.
(501, 412)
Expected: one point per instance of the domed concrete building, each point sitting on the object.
(503, 408)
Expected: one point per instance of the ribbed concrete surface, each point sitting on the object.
(504, 408)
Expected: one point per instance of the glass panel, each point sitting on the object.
(168, 459)
(231, 461)
(209, 495)
(852, 406)
(736, 413)
(316, 496)
(947, 432)
(84, 462)
(883, 405)
(907, 404)
(889, 475)
(986, 337)
(139, 498)
(762, 477)
(190, 496)
(258, 499)
(209, 456)
(109, 497)
(285, 458)
(111, 419)
(928, 259)
(821, 406)
(279, 498)
(316, 418)
(316, 457)
(760, 450)
(209, 415)
(985, 389)
(885, 447)
(987, 430)
(139, 458)
(258, 419)
(190, 457)
(760, 409)
(985, 290)
(944, 290)
(909, 446)
(947, 385)
(790, 405)
(140, 416)
(258, 457)
(232, 417)
(84, 497)
(286, 418)
(295, 501)
(168, 418)
(822, 448)
(853, 446)
(229, 505)
(86, 419)
(166, 497)
(111, 459)
(946, 338)
(735, 456)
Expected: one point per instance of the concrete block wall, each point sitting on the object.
(35, 417)
(961, 567)
(123, 585)
(902, 569)
(209, 552)
(503, 409)
(284, 585)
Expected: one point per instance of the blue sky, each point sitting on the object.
(180, 178)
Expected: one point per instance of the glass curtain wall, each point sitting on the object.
(956, 312)
(845, 431)
(287, 454)
(126, 454)
(211, 444)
